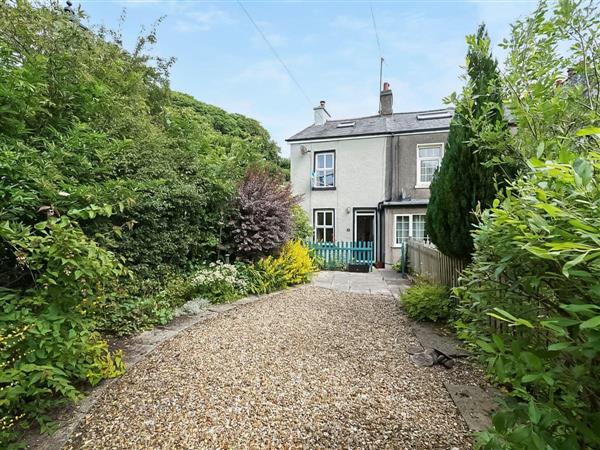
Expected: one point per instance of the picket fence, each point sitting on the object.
(425, 259)
(344, 252)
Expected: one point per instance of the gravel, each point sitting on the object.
(307, 368)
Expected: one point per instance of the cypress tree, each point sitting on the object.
(463, 182)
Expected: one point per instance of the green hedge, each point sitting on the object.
(425, 301)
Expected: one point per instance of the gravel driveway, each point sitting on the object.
(307, 368)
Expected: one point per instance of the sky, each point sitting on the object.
(330, 47)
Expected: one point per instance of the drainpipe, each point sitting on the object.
(381, 243)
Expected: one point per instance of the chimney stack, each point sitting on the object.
(321, 113)
(386, 100)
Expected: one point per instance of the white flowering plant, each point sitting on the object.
(219, 282)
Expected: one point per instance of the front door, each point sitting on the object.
(364, 231)
(364, 226)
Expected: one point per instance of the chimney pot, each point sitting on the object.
(321, 113)
(386, 100)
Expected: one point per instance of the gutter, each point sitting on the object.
(415, 202)
(381, 133)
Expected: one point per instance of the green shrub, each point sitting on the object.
(114, 134)
(143, 305)
(398, 266)
(424, 301)
(332, 264)
(254, 277)
(536, 269)
(219, 282)
(294, 265)
(48, 342)
(301, 228)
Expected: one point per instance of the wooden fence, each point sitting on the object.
(344, 253)
(426, 260)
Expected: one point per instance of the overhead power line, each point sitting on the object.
(375, 29)
(264, 37)
(381, 59)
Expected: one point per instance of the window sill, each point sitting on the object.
(330, 188)
(422, 186)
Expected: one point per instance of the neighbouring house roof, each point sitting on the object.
(397, 123)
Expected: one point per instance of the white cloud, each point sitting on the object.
(198, 21)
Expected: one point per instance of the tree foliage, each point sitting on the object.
(465, 180)
(110, 186)
(536, 262)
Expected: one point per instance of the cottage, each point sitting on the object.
(367, 178)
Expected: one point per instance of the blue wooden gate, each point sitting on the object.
(341, 253)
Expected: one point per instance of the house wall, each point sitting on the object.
(392, 252)
(359, 179)
(368, 171)
(401, 173)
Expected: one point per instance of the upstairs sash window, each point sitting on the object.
(324, 170)
(429, 158)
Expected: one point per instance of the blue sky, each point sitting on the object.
(329, 46)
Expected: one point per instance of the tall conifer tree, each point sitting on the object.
(463, 181)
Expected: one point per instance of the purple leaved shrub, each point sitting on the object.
(262, 219)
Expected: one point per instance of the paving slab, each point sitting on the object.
(222, 307)
(431, 336)
(360, 283)
(474, 404)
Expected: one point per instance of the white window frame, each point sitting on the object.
(324, 226)
(396, 243)
(365, 213)
(410, 227)
(324, 169)
(426, 184)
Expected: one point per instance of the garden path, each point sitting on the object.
(384, 281)
(306, 368)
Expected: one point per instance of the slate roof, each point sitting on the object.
(396, 123)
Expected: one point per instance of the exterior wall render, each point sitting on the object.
(359, 179)
(401, 173)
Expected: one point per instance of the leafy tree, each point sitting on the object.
(464, 181)
(111, 188)
(536, 264)
(100, 124)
